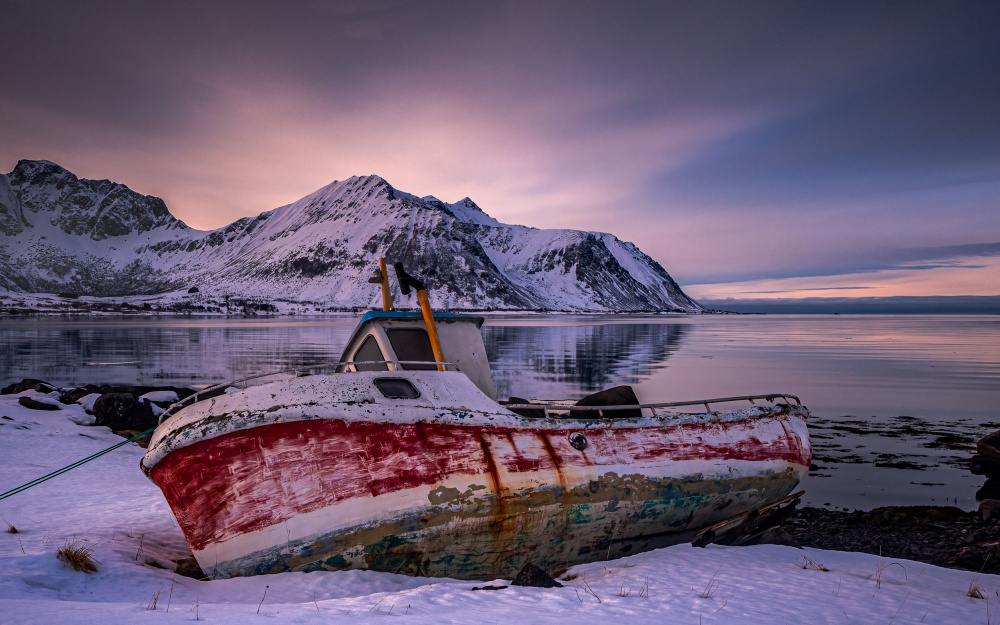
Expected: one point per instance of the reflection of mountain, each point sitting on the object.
(538, 361)
(164, 351)
(568, 361)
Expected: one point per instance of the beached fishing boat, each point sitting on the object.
(400, 458)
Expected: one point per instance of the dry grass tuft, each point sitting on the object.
(809, 563)
(976, 590)
(643, 590)
(151, 605)
(710, 588)
(623, 592)
(587, 589)
(712, 585)
(78, 555)
(880, 569)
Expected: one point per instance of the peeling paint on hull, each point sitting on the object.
(466, 498)
(475, 544)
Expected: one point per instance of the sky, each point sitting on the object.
(755, 149)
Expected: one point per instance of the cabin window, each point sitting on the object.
(369, 352)
(397, 388)
(412, 344)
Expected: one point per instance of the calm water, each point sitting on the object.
(897, 401)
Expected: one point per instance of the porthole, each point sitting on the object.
(578, 441)
(397, 388)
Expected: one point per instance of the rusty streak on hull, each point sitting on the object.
(471, 501)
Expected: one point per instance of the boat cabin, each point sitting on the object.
(397, 341)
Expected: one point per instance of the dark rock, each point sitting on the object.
(193, 289)
(28, 402)
(27, 384)
(123, 411)
(979, 558)
(978, 465)
(969, 558)
(181, 391)
(74, 395)
(989, 448)
(991, 555)
(989, 509)
(531, 575)
(940, 535)
(188, 567)
(989, 490)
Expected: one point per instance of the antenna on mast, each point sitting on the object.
(381, 276)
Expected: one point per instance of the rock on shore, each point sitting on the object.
(126, 410)
(940, 535)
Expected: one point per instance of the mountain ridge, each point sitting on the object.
(61, 233)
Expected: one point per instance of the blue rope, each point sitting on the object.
(45, 478)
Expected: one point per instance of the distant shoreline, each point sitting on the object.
(48, 304)
(909, 305)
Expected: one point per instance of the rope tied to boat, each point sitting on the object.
(170, 411)
(69, 467)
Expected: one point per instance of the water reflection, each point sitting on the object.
(572, 360)
(531, 356)
(164, 351)
(897, 401)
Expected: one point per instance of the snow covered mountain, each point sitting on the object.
(60, 233)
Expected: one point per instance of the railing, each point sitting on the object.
(340, 367)
(548, 407)
(343, 367)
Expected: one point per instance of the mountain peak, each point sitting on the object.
(38, 171)
(369, 179)
(467, 210)
(97, 208)
(368, 186)
(317, 249)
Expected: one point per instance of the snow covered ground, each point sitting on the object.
(109, 506)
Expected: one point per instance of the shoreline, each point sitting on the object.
(190, 304)
(944, 536)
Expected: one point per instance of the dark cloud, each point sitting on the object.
(917, 110)
(832, 288)
(951, 251)
(878, 260)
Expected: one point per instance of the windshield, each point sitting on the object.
(412, 344)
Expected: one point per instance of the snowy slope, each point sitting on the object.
(60, 233)
(109, 505)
